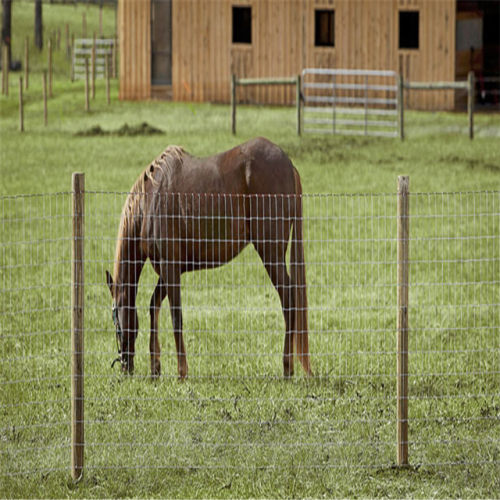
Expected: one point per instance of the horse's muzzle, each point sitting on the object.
(126, 362)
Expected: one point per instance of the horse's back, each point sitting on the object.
(267, 169)
(256, 167)
(209, 209)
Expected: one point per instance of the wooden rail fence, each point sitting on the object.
(468, 85)
(398, 100)
(243, 82)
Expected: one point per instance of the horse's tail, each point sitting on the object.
(298, 277)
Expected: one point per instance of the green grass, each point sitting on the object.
(55, 17)
(235, 428)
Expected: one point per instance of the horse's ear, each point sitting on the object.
(109, 281)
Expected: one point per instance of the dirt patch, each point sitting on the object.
(471, 163)
(125, 130)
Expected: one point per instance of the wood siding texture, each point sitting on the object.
(366, 37)
(134, 35)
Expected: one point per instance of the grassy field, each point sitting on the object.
(235, 428)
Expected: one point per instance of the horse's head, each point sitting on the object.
(126, 325)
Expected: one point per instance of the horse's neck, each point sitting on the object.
(130, 263)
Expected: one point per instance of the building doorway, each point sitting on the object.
(478, 47)
(161, 42)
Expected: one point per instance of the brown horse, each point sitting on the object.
(185, 214)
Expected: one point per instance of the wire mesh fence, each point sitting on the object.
(236, 410)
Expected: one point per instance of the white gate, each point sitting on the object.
(83, 50)
(352, 102)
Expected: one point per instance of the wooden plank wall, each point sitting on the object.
(366, 37)
(201, 36)
(134, 34)
(435, 60)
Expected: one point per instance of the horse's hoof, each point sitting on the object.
(128, 371)
(156, 370)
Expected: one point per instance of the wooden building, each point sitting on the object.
(186, 50)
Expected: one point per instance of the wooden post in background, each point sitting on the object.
(72, 59)
(68, 54)
(26, 62)
(298, 99)
(50, 68)
(77, 325)
(115, 58)
(100, 21)
(45, 97)
(93, 68)
(401, 108)
(107, 77)
(471, 87)
(58, 39)
(87, 107)
(5, 68)
(403, 268)
(84, 22)
(233, 104)
(21, 111)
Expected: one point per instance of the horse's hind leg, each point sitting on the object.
(154, 309)
(273, 258)
(174, 297)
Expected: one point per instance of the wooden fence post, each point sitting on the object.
(72, 59)
(21, 111)
(298, 98)
(471, 87)
(401, 107)
(68, 53)
(115, 58)
(233, 104)
(77, 325)
(100, 21)
(107, 76)
(3, 69)
(403, 267)
(50, 68)
(93, 66)
(45, 97)
(87, 107)
(26, 62)
(6, 68)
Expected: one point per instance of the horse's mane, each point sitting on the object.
(131, 216)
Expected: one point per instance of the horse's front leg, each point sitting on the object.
(154, 309)
(174, 298)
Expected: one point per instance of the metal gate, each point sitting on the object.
(352, 102)
(83, 51)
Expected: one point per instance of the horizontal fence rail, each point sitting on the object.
(237, 410)
(251, 82)
(468, 86)
(352, 102)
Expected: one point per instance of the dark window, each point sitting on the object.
(408, 30)
(324, 32)
(242, 24)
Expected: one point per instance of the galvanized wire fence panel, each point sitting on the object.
(454, 328)
(235, 410)
(35, 348)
